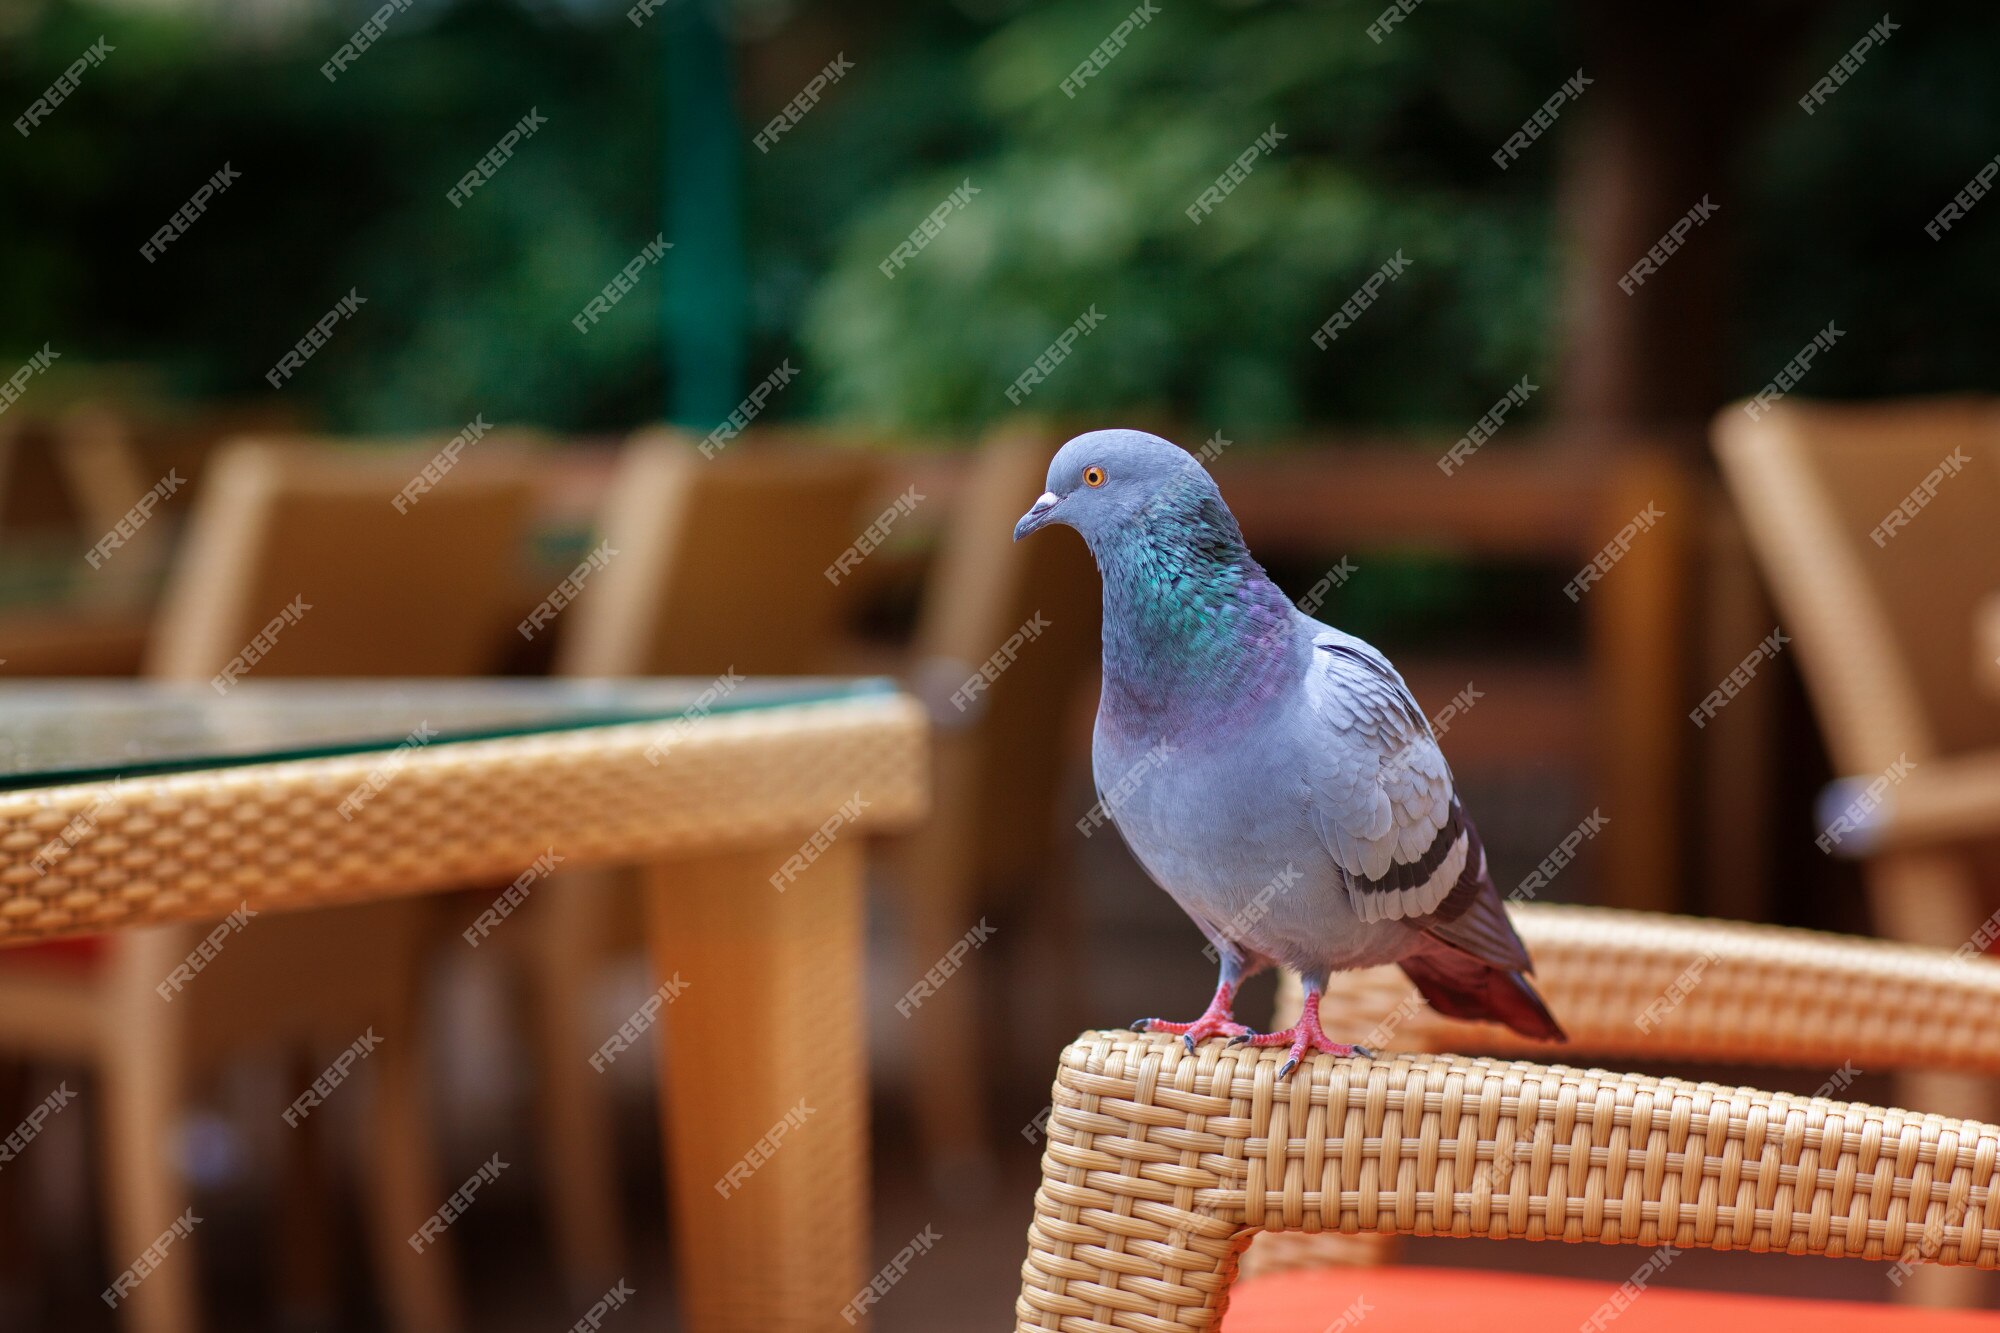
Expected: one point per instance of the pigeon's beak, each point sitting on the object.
(1038, 514)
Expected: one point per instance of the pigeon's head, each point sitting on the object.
(1102, 482)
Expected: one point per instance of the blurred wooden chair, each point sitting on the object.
(685, 597)
(111, 456)
(1030, 613)
(719, 567)
(36, 500)
(93, 495)
(721, 561)
(1160, 1167)
(72, 474)
(427, 592)
(1875, 529)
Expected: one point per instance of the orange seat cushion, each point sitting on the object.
(1400, 1299)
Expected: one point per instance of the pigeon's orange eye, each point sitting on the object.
(1093, 476)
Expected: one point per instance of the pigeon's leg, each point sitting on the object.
(1219, 1019)
(1306, 1035)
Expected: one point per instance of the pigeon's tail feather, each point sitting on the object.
(1462, 987)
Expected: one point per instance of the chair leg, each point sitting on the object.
(578, 1134)
(1932, 898)
(764, 1085)
(1637, 635)
(934, 879)
(20, 1246)
(145, 1194)
(948, 1069)
(306, 1284)
(404, 1186)
(1077, 1224)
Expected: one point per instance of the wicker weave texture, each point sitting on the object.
(1644, 986)
(1660, 987)
(1160, 1166)
(185, 847)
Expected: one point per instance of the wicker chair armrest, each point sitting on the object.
(1160, 1166)
(1639, 985)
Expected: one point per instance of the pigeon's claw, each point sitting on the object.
(1210, 1024)
(1304, 1037)
(1217, 1020)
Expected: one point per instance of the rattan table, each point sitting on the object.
(128, 805)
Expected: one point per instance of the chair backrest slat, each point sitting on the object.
(1878, 528)
(425, 591)
(720, 563)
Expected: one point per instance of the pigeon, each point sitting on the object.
(1273, 774)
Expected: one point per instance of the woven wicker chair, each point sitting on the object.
(1161, 1166)
(997, 759)
(423, 593)
(1889, 627)
(1886, 604)
(697, 540)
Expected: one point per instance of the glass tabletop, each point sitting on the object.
(54, 732)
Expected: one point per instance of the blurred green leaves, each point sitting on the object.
(1838, 202)
(343, 186)
(1082, 201)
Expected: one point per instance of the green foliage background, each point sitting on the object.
(1080, 202)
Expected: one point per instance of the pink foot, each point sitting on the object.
(1215, 1021)
(1303, 1037)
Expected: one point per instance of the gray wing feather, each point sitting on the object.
(1382, 795)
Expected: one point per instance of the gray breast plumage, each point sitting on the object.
(1223, 818)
